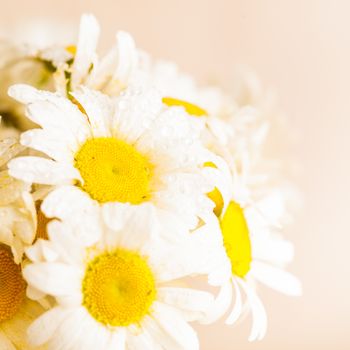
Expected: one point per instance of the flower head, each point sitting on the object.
(129, 151)
(249, 222)
(120, 291)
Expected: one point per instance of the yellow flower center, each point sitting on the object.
(119, 288)
(72, 49)
(190, 108)
(235, 233)
(114, 171)
(12, 285)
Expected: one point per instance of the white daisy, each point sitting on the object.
(125, 65)
(118, 293)
(255, 251)
(126, 150)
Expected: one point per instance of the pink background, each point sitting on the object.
(302, 49)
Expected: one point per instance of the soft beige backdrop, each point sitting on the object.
(302, 49)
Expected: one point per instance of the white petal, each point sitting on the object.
(117, 66)
(276, 278)
(220, 304)
(72, 330)
(165, 137)
(272, 249)
(99, 109)
(40, 251)
(70, 249)
(44, 327)
(42, 171)
(127, 60)
(34, 294)
(48, 143)
(201, 253)
(132, 225)
(171, 269)
(62, 118)
(259, 317)
(102, 73)
(86, 48)
(175, 328)
(208, 240)
(96, 335)
(53, 207)
(142, 341)
(53, 112)
(77, 209)
(237, 309)
(186, 299)
(117, 340)
(54, 278)
(68, 301)
(25, 93)
(134, 113)
(157, 333)
(115, 215)
(68, 331)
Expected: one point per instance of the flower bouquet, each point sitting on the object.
(123, 186)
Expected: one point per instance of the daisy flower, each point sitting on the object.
(120, 292)
(128, 150)
(126, 66)
(254, 249)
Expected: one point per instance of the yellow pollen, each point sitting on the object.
(72, 49)
(12, 285)
(118, 288)
(190, 108)
(235, 233)
(114, 171)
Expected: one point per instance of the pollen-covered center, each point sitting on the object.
(119, 288)
(114, 171)
(190, 108)
(235, 233)
(12, 285)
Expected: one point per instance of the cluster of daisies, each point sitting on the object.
(133, 202)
